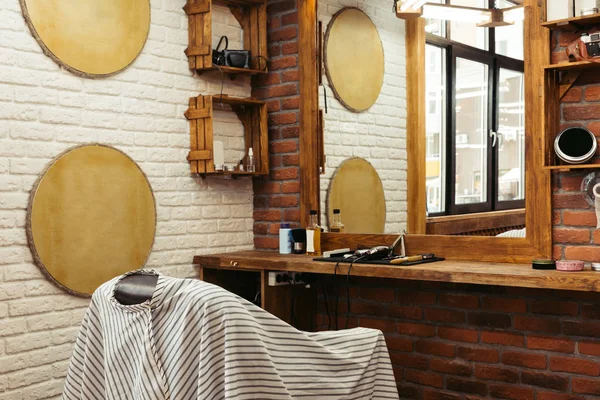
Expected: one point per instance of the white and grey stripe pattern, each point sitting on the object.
(194, 340)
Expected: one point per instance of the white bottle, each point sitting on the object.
(250, 162)
(285, 240)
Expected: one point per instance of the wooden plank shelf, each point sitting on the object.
(476, 273)
(232, 72)
(252, 17)
(570, 167)
(253, 115)
(233, 174)
(569, 66)
(574, 23)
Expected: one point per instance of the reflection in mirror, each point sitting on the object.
(356, 199)
(474, 108)
(378, 134)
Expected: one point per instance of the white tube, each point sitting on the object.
(596, 191)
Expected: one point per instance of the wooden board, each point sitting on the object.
(477, 273)
(91, 217)
(354, 59)
(357, 191)
(92, 37)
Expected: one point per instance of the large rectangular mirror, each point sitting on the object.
(460, 131)
(475, 126)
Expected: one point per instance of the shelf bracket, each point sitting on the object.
(566, 82)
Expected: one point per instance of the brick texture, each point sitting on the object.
(466, 359)
(276, 197)
(45, 110)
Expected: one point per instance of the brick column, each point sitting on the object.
(276, 197)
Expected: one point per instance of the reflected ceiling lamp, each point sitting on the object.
(483, 17)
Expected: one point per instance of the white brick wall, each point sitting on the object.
(45, 110)
(379, 134)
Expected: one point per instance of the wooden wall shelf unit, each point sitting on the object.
(253, 115)
(252, 16)
(573, 24)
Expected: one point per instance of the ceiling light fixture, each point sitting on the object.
(483, 17)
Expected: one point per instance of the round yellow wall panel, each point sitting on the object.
(89, 37)
(354, 60)
(357, 191)
(91, 217)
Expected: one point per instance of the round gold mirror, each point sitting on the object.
(91, 217)
(90, 37)
(354, 60)
(356, 190)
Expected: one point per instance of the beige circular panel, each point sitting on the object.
(91, 217)
(357, 191)
(354, 60)
(89, 37)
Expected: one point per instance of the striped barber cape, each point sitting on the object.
(194, 340)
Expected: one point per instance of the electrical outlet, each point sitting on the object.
(281, 278)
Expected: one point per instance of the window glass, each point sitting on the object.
(468, 32)
(511, 136)
(435, 128)
(471, 131)
(509, 39)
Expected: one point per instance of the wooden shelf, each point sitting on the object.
(476, 273)
(233, 174)
(252, 16)
(570, 66)
(253, 115)
(569, 167)
(574, 23)
(232, 71)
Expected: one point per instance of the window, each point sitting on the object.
(475, 116)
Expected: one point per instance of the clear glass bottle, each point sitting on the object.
(250, 166)
(336, 224)
(313, 235)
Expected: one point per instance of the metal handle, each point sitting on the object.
(494, 137)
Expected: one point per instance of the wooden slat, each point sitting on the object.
(538, 188)
(197, 8)
(197, 51)
(207, 37)
(573, 23)
(254, 119)
(197, 155)
(191, 36)
(193, 137)
(201, 103)
(261, 63)
(469, 272)
(321, 142)
(463, 224)
(264, 140)
(416, 135)
(309, 105)
(194, 113)
(208, 134)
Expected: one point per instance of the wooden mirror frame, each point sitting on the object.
(538, 189)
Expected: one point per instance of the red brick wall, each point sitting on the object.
(276, 198)
(450, 341)
(575, 235)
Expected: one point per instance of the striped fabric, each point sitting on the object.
(194, 340)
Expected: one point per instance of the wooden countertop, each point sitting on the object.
(478, 273)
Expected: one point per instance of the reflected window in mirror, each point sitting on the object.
(475, 117)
